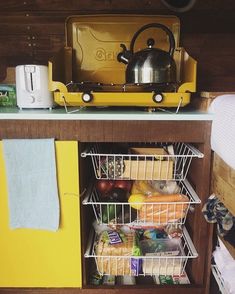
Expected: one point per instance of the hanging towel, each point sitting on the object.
(214, 211)
(32, 183)
(223, 128)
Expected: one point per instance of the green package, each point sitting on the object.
(7, 95)
(166, 280)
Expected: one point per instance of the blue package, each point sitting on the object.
(136, 266)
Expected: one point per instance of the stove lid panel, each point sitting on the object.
(96, 40)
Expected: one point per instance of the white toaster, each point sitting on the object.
(32, 87)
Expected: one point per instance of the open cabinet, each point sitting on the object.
(140, 200)
(193, 178)
(90, 132)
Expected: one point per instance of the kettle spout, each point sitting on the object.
(125, 55)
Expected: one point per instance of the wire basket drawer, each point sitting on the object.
(151, 213)
(172, 164)
(219, 279)
(148, 264)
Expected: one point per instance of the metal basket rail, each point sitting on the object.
(146, 265)
(173, 166)
(220, 281)
(150, 214)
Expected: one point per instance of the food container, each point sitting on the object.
(7, 95)
(168, 249)
(148, 169)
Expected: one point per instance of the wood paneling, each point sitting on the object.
(57, 5)
(230, 247)
(223, 183)
(107, 131)
(32, 23)
(208, 21)
(79, 5)
(31, 31)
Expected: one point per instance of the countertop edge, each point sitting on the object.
(145, 116)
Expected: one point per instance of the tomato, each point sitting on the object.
(123, 184)
(104, 186)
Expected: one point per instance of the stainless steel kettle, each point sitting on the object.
(150, 65)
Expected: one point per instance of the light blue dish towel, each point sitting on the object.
(32, 183)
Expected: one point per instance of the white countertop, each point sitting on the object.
(106, 113)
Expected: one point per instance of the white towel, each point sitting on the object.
(32, 183)
(223, 128)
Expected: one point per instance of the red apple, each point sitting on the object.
(104, 186)
(123, 184)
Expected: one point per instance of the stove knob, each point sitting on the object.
(87, 97)
(157, 97)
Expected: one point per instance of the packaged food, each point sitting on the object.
(111, 167)
(109, 280)
(126, 280)
(161, 247)
(181, 279)
(143, 187)
(166, 280)
(118, 258)
(155, 234)
(171, 279)
(158, 153)
(96, 278)
(167, 250)
(163, 209)
(162, 266)
(165, 187)
(7, 95)
(174, 230)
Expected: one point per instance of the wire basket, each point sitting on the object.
(220, 281)
(149, 214)
(172, 164)
(146, 265)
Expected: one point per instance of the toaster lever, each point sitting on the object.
(29, 72)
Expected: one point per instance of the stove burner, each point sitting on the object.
(87, 87)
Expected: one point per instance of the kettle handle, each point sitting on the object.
(155, 25)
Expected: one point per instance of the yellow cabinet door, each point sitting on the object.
(37, 258)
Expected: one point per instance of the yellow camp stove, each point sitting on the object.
(88, 88)
(87, 73)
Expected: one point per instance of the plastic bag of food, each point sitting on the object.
(116, 251)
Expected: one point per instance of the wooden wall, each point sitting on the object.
(33, 30)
